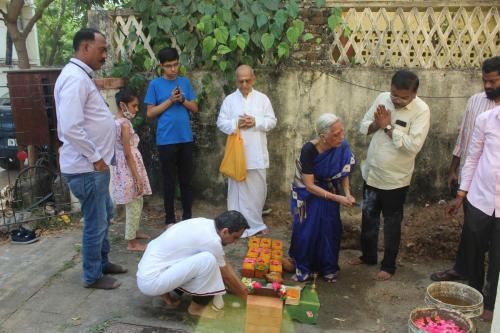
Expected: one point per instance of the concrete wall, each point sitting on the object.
(300, 91)
(300, 95)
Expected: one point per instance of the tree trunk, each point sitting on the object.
(22, 52)
(19, 36)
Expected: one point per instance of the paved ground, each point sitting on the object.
(40, 291)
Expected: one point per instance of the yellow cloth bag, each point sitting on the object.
(234, 163)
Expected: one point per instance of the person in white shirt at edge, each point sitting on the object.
(86, 127)
(252, 112)
(189, 258)
(399, 122)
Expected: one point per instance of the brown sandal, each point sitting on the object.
(114, 269)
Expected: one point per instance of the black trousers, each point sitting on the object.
(177, 160)
(482, 233)
(390, 203)
(461, 260)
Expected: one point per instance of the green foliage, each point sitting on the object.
(59, 23)
(220, 34)
(56, 50)
(135, 70)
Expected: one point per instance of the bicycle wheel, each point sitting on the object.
(33, 186)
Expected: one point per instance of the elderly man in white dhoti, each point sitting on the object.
(189, 258)
(252, 112)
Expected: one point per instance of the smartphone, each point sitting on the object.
(177, 90)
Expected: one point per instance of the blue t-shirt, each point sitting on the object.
(173, 124)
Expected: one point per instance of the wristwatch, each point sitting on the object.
(388, 128)
(183, 99)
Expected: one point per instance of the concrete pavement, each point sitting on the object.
(41, 291)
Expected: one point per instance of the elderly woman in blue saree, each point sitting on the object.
(320, 186)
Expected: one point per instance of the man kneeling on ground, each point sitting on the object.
(189, 257)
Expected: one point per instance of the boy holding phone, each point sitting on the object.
(170, 98)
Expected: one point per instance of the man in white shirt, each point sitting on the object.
(399, 122)
(86, 127)
(189, 258)
(252, 112)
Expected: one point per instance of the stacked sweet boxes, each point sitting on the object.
(264, 255)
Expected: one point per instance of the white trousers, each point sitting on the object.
(248, 198)
(198, 275)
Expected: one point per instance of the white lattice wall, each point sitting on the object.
(123, 46)
(418, 37)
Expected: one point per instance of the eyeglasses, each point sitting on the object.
(171, 66)
(401, 99)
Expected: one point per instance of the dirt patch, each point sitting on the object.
(427, 232)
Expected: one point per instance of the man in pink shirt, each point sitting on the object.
(476, 105)
(480, 193)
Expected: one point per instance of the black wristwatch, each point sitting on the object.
(183, 99)
(388, 128)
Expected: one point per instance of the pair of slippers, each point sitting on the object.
(23, 236)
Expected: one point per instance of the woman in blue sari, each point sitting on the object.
(320, 186)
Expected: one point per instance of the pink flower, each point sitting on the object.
(256, 285)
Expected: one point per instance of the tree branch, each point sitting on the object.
(38, 14)
(14, 9)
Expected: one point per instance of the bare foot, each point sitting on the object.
(142, 235)
(135, 246)
(487, 315)
(383, 276)
(355, 262)
(170, 302)
(263, 232)
(204, 311)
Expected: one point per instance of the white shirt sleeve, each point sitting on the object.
(224, 121)
(474, 152)
(414, 140)
(268, 121)
(216, 249)
(72, 96)
(369, 117)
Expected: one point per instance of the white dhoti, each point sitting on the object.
(198, 275)
(248, 198)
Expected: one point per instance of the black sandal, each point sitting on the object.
(447, 275)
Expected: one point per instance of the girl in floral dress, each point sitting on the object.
(130, 180)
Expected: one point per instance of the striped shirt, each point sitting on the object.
(476, 105)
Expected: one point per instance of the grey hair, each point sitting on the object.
(324, 122)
